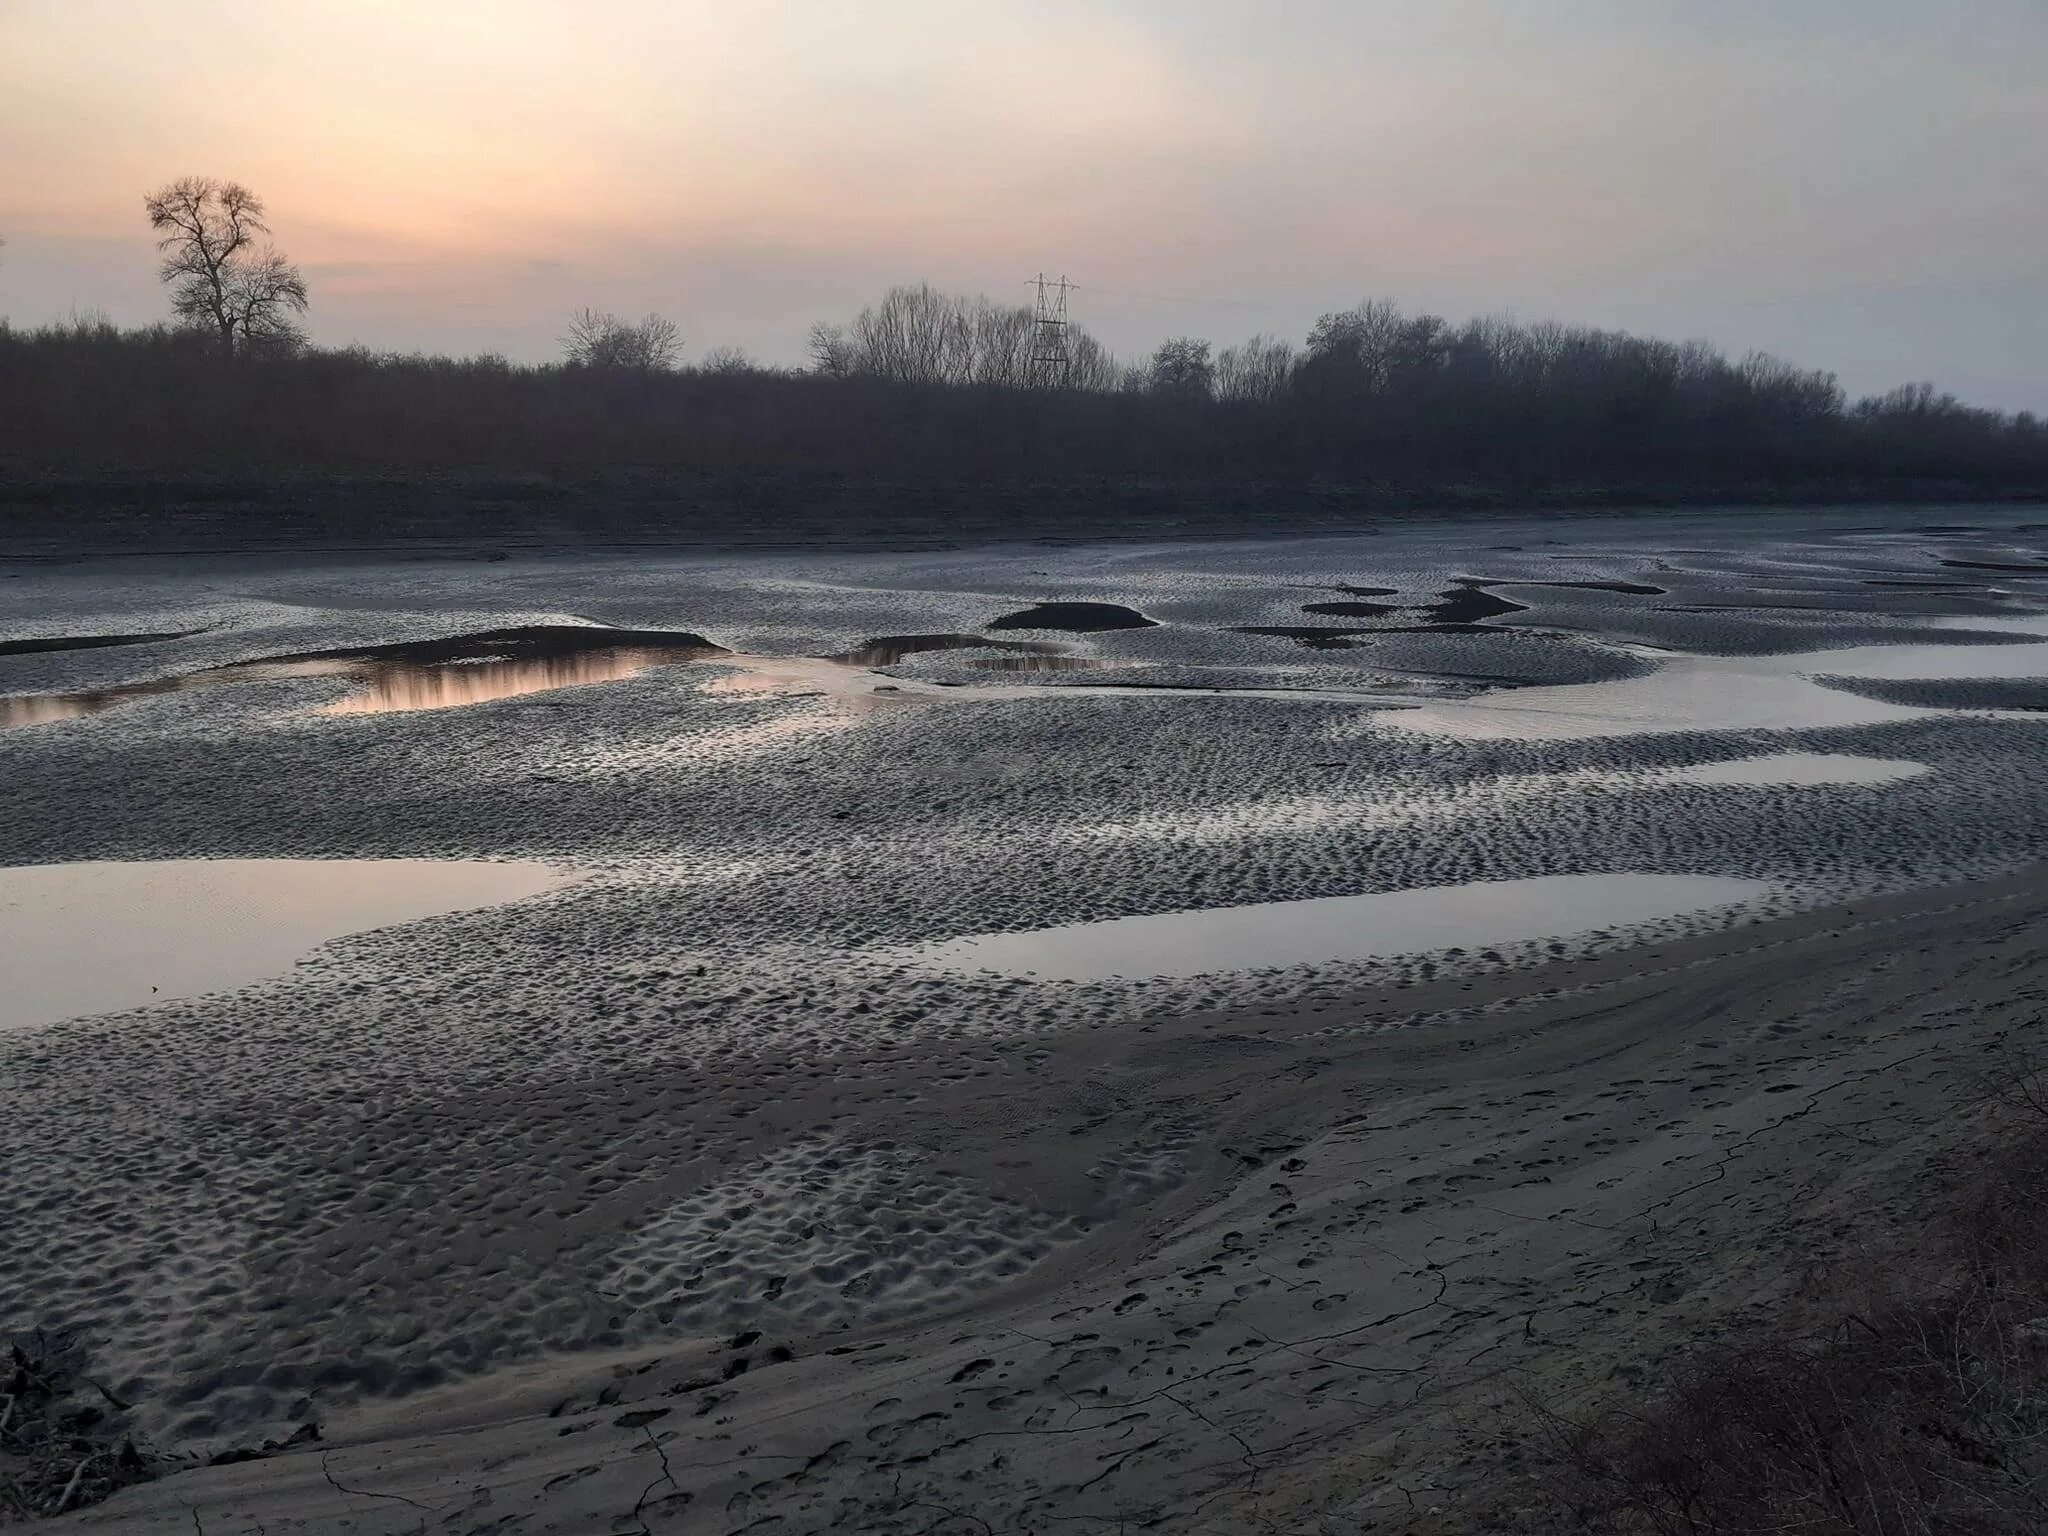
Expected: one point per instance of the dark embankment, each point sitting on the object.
(53, 517)
(153, 439)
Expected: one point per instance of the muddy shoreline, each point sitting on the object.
(64, 518)
(1385, 1233)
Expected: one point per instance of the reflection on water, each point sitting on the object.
(395, 688)
(1333, 928)
(1041, 663)
(82, 939)
(1730, 693)
(805, 677)
(1798, 768)
(505, 664)
(382, 686)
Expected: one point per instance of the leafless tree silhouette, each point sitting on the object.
(925, 383)
(830, 352)
(1258, 370)
(918, 335)
(598, 339)
(1181, 368)
(218, 277)
(728, 360)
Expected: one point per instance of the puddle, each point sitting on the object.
(1798, 768)
(1738, 693)
(387, 690)
(1335, 928)
(808, 677)
(429, 674)
(83, 939)
(1045, 663)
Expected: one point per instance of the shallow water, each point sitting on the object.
(1739, 693)
(381, 687)
(1330, 928)
(1799, 768)
(92, 938)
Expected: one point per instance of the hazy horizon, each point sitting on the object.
(1856, 187)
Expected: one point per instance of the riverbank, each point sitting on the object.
(61, 518)
(1549, 1183)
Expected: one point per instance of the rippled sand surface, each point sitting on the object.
(713, 1048)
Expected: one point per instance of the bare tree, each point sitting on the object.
(1257, 370)
(728, 361)
(219, 278)
(1357, 346)
(919, 335)
(1181, 367)
(1091, 367)
(831, 353)
(598, 339)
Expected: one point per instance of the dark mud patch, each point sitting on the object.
(532, 642)
(1466, 601)
(1075, 618)
(1367, 591)
(1350, 610)
(1330, 638)
(887, 650)
(1992, 565)
(1947, 693)
(38, 647)
(1315, 637)
(1442, 629)
(1626, 588)
(1458, 609)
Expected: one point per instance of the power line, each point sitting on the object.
(1165, 298)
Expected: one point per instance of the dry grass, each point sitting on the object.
(61, 1441)
(1917, 1404)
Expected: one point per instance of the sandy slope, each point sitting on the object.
(1382, 1229)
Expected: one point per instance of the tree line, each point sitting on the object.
(929, 383)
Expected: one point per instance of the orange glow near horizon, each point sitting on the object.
(459, 173)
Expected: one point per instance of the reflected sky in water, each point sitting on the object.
(381, 687)
(1325, 929)
(92, 938)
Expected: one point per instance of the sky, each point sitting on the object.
(1859, 185)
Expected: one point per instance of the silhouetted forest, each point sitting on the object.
(930, 385)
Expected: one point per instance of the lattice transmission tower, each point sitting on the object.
(1052, 359)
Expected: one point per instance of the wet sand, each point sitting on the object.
(678, 1198)
(1388, 1214)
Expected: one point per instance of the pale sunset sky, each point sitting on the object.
(1860, 185)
